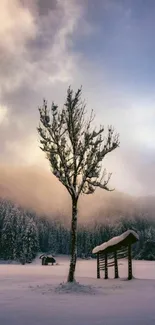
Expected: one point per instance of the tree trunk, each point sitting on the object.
(106, 266)
(129, 263)
(116, 265)
(98, 266)
(73, 241)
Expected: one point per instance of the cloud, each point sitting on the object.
(16, 29)
(17, 26)
(45, 45)
(36, 61)
(34, 47)
(3, 115)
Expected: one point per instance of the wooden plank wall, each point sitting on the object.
(122, 253)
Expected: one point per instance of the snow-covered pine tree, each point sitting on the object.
(20, 231)
(147, 245)
(52, 238)
(43, 230)
(9, 233)
(80, 242)
(3, 211)
(31, 241)
(65, 241)
(89, 246)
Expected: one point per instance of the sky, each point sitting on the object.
(108, 47)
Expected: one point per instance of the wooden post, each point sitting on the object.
(106, 266)
(116, 265)
(129, 263)
(98, 266)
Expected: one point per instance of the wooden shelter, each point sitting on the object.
(47, 259)
(116, 248)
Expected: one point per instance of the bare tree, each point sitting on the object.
(75, 151)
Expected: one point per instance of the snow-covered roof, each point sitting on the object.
(115, 240)
(46, 255)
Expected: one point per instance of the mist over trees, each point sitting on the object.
(23, 234)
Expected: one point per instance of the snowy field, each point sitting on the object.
(32, 295)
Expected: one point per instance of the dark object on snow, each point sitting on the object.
(85, 257)
(47, 259)
(116, 248)
(22, 261)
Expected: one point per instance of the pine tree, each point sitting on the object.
(31, 241)
(9, 234)
(52, 239)
(43, 229)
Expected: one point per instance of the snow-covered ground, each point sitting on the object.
(32, 294)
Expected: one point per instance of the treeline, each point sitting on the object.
(23, 234)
